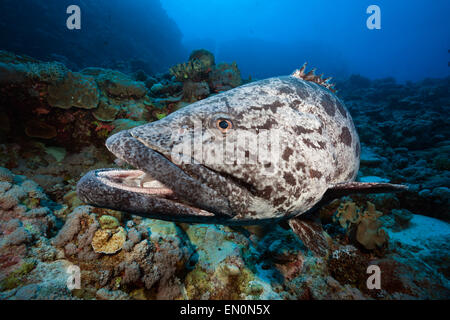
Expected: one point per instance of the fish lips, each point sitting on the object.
(95, 190)
(199, 203)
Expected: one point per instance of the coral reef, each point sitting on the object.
(224, 77)
(69, 109)
(53, 125)
(155, 43)
(392, 120)
(200, 76)
(365, 223)
(121, 256)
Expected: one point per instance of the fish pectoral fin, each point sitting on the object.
(312, 235)
(347, 188)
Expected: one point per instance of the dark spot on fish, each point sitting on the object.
(319, 130)
(279, 201)
(298, 191)
(309, 143)
(341, 108)
(315, 174)
(301, 88)
(268, 124)
(309, 200)
(322, 144)
(273, 106)
(224, 99)
(285, 90)
(328, 105)
(302, 130)
(345, 137)
(350, 175)
(295, 104)
(262, 92)
(287, 153)
(300, 166)
(266, 192)
(338, 171)
(289, 178)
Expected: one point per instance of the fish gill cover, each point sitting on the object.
(95, 205)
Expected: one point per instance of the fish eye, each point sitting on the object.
(224, 125)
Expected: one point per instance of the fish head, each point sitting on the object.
(234, 158)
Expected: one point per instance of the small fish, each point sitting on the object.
(265, 152)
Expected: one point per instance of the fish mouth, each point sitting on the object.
(134, 181)
(157, 188)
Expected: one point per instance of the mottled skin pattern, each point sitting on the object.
(319, 149)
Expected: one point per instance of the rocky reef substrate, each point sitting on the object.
(53, 124)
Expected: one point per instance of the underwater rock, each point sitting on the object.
(157, 89)
(26, 221)
(39, 129)
(370, 234)
(6, 175)
(109, 222)
(19, 69)
(348, 266)
(215, 275)
(75, 90)
(104, 294)
(197, 68)
(224, 77)
(106, 111)
(402, 217)
(204, 56)
(116, 84)
(48, 280)
(70, 109)
(364, 224)
(369, 157)
(77, 234)
(194, 91)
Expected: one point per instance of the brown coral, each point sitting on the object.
(76, 90)
(109, 241)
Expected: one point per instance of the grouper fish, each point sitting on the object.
(268, 151)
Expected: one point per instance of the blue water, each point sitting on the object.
(264, 37)
(273, 37)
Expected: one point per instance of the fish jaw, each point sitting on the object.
(101, 189)
(98, 188)
(105, 188)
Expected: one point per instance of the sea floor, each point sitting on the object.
(53, 125)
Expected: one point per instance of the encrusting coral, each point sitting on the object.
(75, 90)
(108, 241)
(110, 238)
(366, 223)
